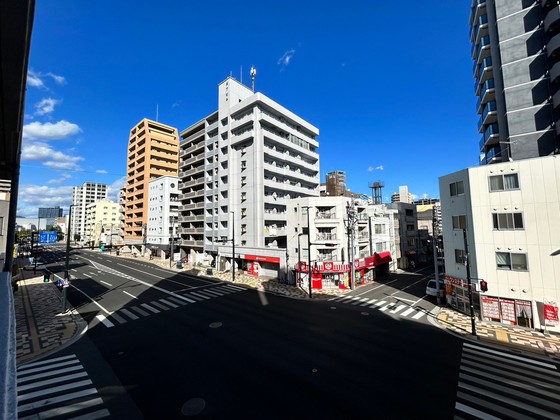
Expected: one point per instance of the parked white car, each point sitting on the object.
(431, 288)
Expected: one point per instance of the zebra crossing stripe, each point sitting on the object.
(400, 308)
(390, 305)
(49, 373)
(150, 308)
(119, 318)
(358, 300)
(42, 367)
(61, 411)
(53, 400)
(378, 304)
(408, 311)
(183, 298)
(196, 298)
(129, 314)
(139, 311)
(168, 303)
(29, 366)
(160, 306)
(199, 294)
(419, 315)
(225, 290)
(368, 302)
(235, 287)
(212, 292)
(53, 390)
(177, 301)
(104, 320)
(51, 381)
(99, 414)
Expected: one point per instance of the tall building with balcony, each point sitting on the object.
(163, 211)
(102, 223)
(502, 220)
(82, 196)
(516, 66)
(153, 152)
(238, 168)
(336, 183)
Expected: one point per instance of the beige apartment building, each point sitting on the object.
(153, 151)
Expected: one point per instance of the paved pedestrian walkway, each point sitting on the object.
(42, 328)
(512, 336)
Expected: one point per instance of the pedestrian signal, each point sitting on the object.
(484, 286)
(46, 278)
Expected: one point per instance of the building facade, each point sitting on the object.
(403, 196)
(163, 212)
(153, 152)
(341, 230)
(239, 166)
(103, 226)
(82, 196)
(511, 213)
(516, 54)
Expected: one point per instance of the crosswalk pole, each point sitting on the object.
(467, 264)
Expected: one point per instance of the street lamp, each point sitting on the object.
(232, 246)
(67, 262)
(299, 257)
(351, 221)
(473, 324)
(172, 219)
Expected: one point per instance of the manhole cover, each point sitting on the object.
(215, 325)
(365, 313)
(193, 407)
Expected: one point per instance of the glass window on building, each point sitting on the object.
(511, 261)
(459, 222)
(507, 221)
(504, 182)
(456, 188)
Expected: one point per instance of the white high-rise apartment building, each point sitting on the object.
(239, 167)
(102, 223)
(88, 193)
(163, 210)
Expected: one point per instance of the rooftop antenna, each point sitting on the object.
(253, 74)
(157, 112)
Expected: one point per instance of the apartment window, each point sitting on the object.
(243, 196)
(409, 212)
(504, 182)
(507, 221)
(511, 261)
(459, 222)
(243, 164)
(379, 247)
(409, 228)
(379, 229)
(456, 188)
(243, 181)
(243, 229)
(243, 212)
(1, 226)
(411, 242)
(460, 256)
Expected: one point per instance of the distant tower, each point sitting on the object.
(253, 74)
(376, 192)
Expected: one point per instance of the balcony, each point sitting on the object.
(242, 136)
(492, 156)
(552, 20)
(553, 46)
(489, 115)
(478, 10)
(487, 94)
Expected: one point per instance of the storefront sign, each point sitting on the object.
(490, 307)
(550, 313)
(508, 311)
(455, 281)
(261, 258)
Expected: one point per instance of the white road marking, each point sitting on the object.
(419, 315)
(129, 314)
(131, 295)
(368, 302)
(378, 304)
(108, 284)
(408, 311)
(400, 308)
(105, 321)
(150, 308)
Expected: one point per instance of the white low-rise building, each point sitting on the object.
(163, 211)
(511, 213)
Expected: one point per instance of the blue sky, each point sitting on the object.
(388, 84)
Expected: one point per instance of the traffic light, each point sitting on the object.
(46, 278)
(484, 286)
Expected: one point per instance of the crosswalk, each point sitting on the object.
(496, 384)
(389, 306)
(186, 297)
(57, 388)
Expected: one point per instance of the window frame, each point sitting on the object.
(496, 224)
(503, 184)
(511, 265)
(460, 256)
(454, 192)
(458, 218)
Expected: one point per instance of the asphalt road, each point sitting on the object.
(165, 345)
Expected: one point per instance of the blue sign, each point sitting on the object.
(48, 237)
(59, 282)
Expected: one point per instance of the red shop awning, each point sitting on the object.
(382, 258)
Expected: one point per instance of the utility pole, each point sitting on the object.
(67, 263)
(351, 220)
(434, 246)
(172, 240)
(309, 254)
(467, 264)
(232, 246)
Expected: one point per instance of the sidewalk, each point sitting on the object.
(492, 332)
(41, 328)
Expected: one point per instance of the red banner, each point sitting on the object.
(550, 313)
(508, 311)
(490, 307)
(261, 258)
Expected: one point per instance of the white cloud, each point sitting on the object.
(415, 197)
(31, 197)
(34, 80)
(49, 131)
(376, 168)
(49, 157)
(59, 80)
(46, 106)
(176, 104)
(286, 58)
(101, 171)
(114, 188)
(63, 177)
